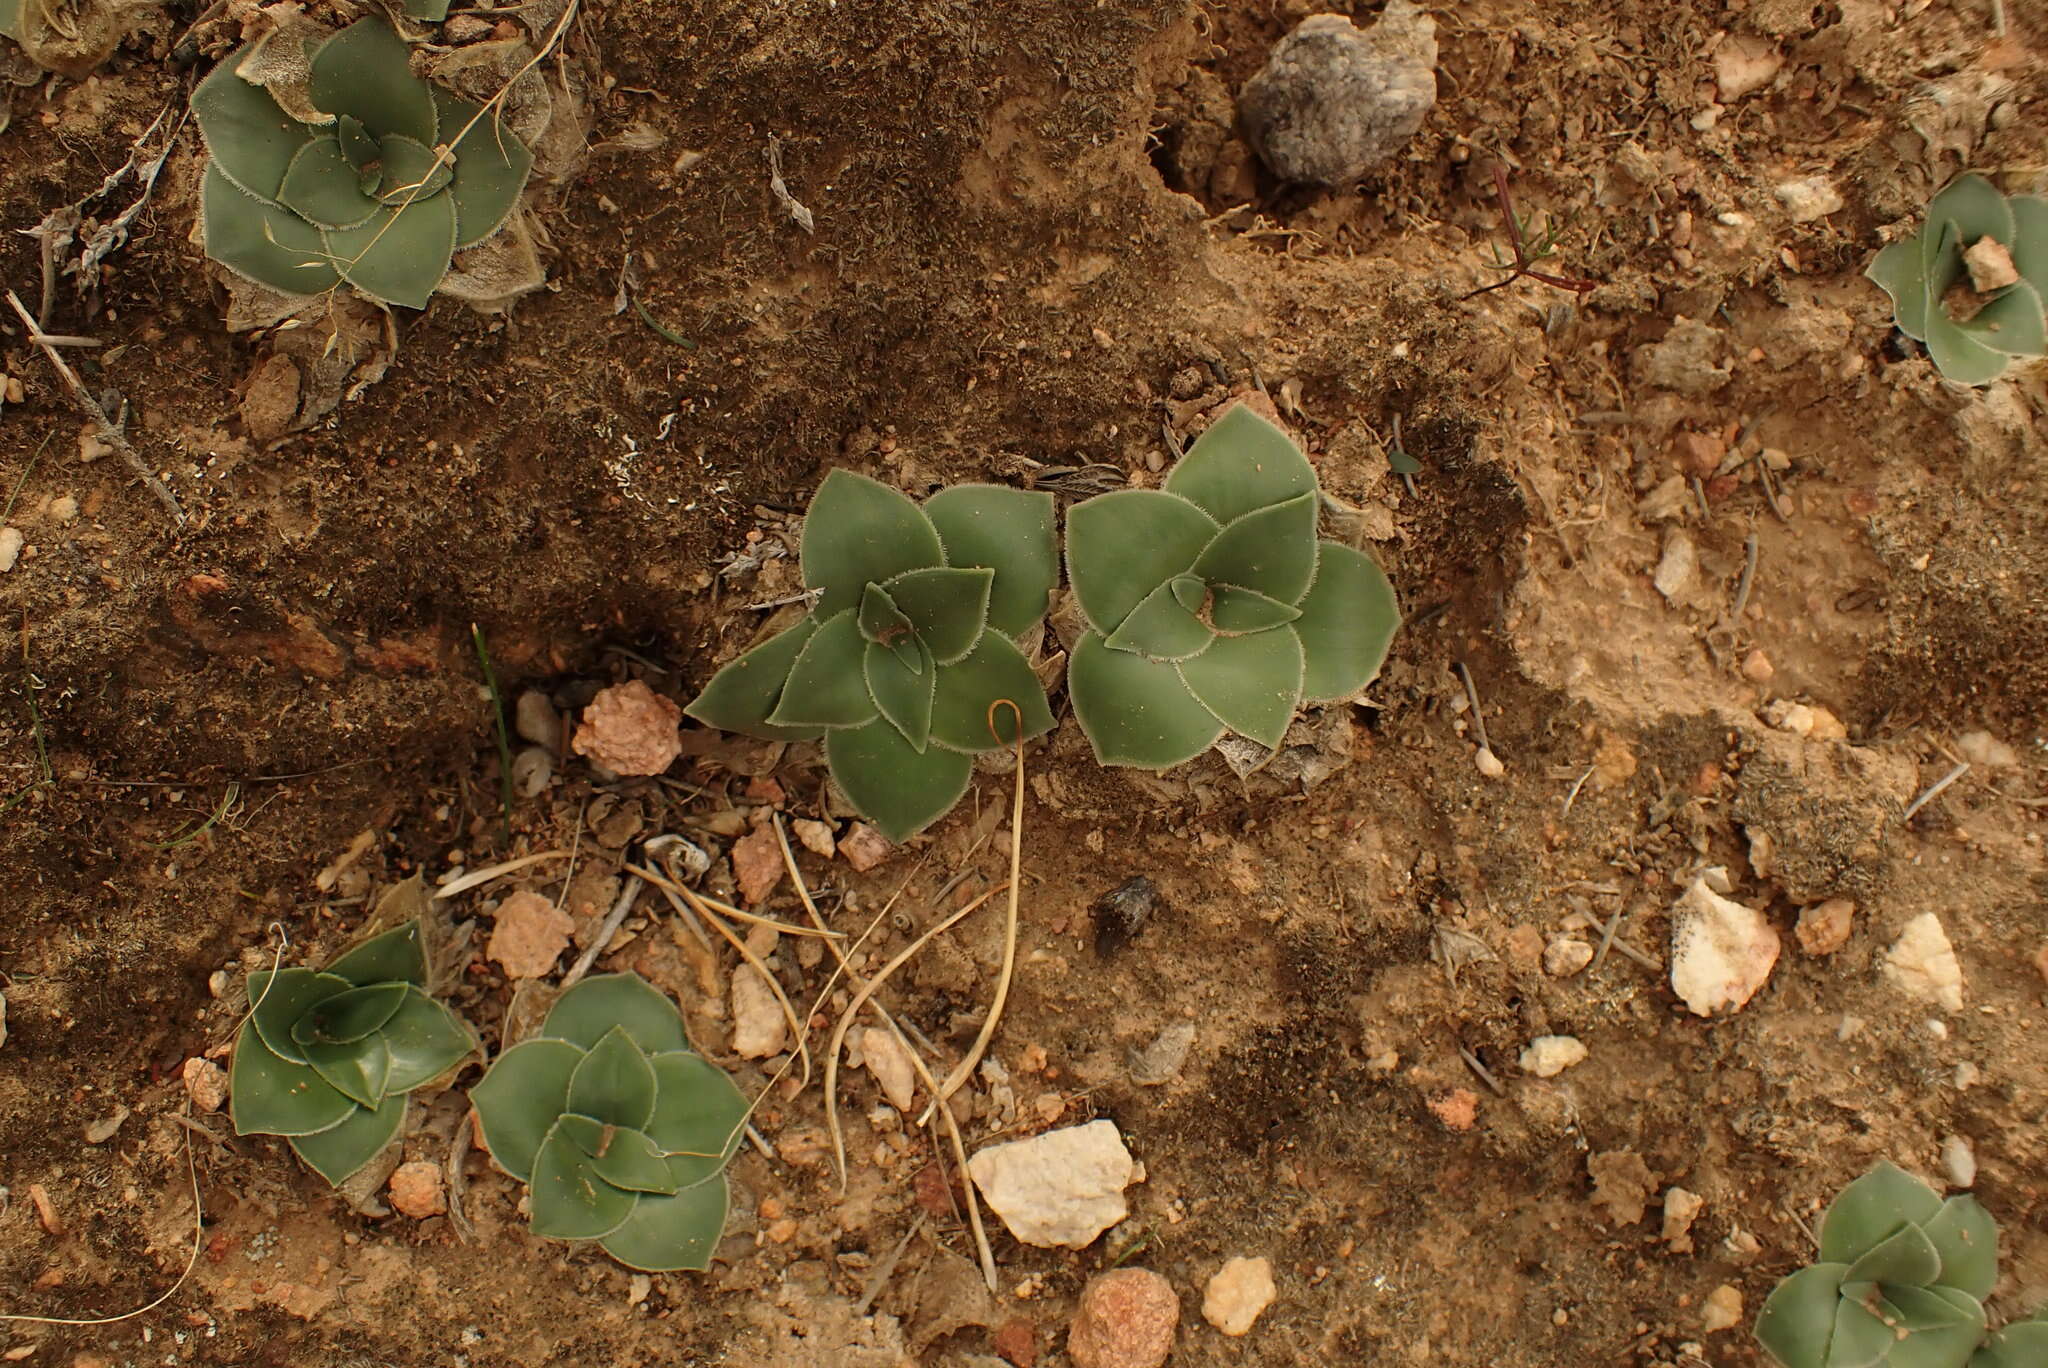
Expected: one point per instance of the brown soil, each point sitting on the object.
(1028, 255)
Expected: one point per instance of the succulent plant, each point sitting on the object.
(2000, 243)
(901, 662)
(327, 1057)
(2022, 1344)
(1900, 1281)
(1211, 604)
(620, 1130)
(377, 188)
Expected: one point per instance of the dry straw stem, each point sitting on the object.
(110, 434)
(796, 1024)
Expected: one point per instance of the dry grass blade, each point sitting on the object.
(726, 909)
(675, 893)
(483, 876)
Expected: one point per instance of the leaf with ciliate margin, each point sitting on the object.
(348, 1016)
(994, 669)
(1271, 550)
(320, 187)
(359, 1069)
(698, 1115)
(1906, 1256)
(521, 1096)
(366, 71)
(396, 956)
(1966, 1238)
(1009, 531)
(1972, 208)
(280, 999)
(1122, 546)
(825, 686)
(1797, 1320)
(584, 1014)
(947, 606)
(1241, 463)
(901, 791)
(622, 1156)
(2023, 1345)
(2013, 323)
(858, 532)
(1162, 627)
(251, 139)
(1898, 272)
(273, 1096)
(1136, 711)
(614, 1083)
(339, 1151)
(1943, 1327)
(426, 1040)
(400, 255)
(668, 1234)
(742, 696)
(568, 1198)
(879, 618)
(1251, 683)
(1869, 1209)
(1347, 624)
(491, 168)
(260, 241)
(903, 693)
(1234, 611)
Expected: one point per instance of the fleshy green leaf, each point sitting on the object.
(994, 669)
(901, 791)
(426, 1040)
(428, 11)
(279, 1000)
(903, 692)
(2024, 1345)
(1009, 531)
(273, 1096)
(1240, 464)
(664, 1234)
(1942, 1331)
(10, 19)
(365, 71)
(359, 1069)
(400, 255)
(1162, 627)
(1959, 356)
(1136, 711)
(348, 1016)
(1869, 1209)
(859, 532)
(1346, 625)
(2030, 239)
(339, 1151)
(251, 139)
(698, 1115)
(825, 687)
(395, 956)
(1234, 611)
(358, 148)
(1898, 273)
(741, 696)
(519, 1099)
(411, 170)
(1967, 1239)
(1122, 546)
(623, 1157)
(568, 1198)
(261, 242)
(587, 1011)
(1798, 1318)
(947, 606)
(614, 1083)
(320, 187)
(2013, 323)
(880, 620)
(1251, 683)
(1974, 208)
(1906, 1256)
(1860, 1339)
(491, 168)
(1270, 549)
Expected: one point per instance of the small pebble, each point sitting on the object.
(1163, 1059)
(102, 1130)
(532, 768)
(1813, 197)
(1757, 667)
(1548, 1056)
(1923, 964)
(1565, 956)
(10, 547)
(891, 1066)
(1824, 927)
(1721, 951)
(1722, 1309)
(1235, 1296)
(1681, 1209)
(864, 847)
(758, 1028)
(1489, 764)
(418, 1189)
(813, 836)
(630, 729)
(1126, 1319)
(1959, 1161)
(63, 508)
(528, 934)
(1059, 1189)
(206, 1083)
(535, 719)
(1331, 101)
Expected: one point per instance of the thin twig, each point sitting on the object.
(1749, 550)
(1472, 697)
(610, 928)
(490, 872)
(458, 1183)
(109, 434)
(887, 1269)
(1932, 789)
(1484, 1074)
(1573, 796)
(797, 1025)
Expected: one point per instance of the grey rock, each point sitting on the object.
(1332, 102)
(1162, 1060)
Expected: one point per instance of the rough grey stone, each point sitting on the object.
(1332, 102)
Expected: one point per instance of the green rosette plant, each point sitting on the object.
(380, 186)
(327, 1057)
(2023, 1344)
(1211, 604)
(620, 1130)
(2006, 237)
(909, 647)
(1900, 1282)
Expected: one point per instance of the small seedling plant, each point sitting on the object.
(1996, 243)
(1530, 247)
(1213, 606)
(327, 1057)
(373, 178)
(619, 1128)
(907, 664)
(1900, 1284)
